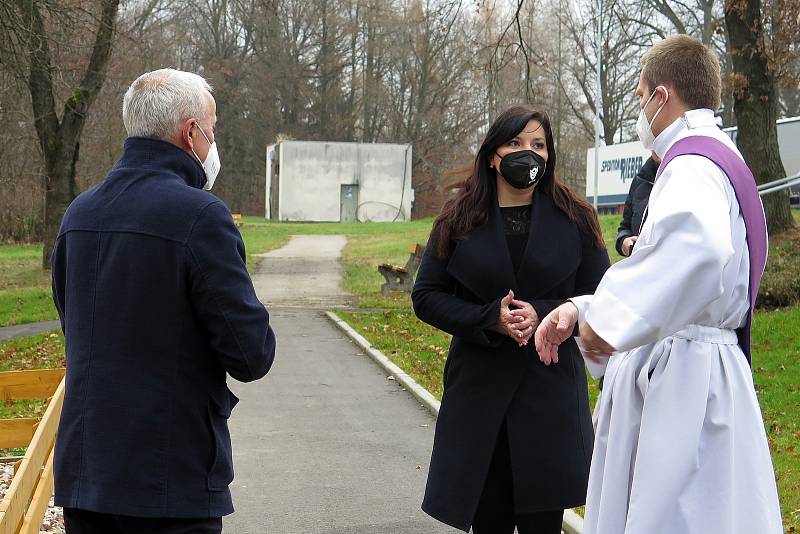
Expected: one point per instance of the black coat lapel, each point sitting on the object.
(553, 252)
(481, 261)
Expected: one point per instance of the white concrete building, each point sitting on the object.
(327, 181)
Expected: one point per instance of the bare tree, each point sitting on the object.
(59, 136)
(700, 18)
(619, 68)
(782, 25)
(21, 176)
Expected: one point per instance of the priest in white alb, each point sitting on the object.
(680, 445)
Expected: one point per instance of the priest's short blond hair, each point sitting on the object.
(688, 67)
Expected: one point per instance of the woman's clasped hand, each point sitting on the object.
(518, 320)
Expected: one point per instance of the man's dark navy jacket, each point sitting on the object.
(150, 281)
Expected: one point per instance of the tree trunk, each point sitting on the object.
(60, 190)
(59, 139)
(756, 106)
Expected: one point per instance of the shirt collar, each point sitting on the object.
(699, 118)
(690, 120)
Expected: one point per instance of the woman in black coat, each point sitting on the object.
(514, 437)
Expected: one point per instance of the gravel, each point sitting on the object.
(53, 522)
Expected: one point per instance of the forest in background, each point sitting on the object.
(431, 73)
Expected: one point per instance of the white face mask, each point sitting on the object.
(643, 127)
(212, 164)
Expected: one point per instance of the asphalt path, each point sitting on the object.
(326, 443)
(30, 329)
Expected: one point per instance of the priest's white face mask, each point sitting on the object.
(211, 165)
(644, 128)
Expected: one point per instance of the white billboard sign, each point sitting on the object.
(618, 167)
(620, 163)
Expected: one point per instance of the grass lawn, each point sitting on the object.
(44, 351)
(24, 286)
(776, 366)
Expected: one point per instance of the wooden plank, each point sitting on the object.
(17, 432)
(390, 267)
(416, 249)
(36, 384)
(41, 498)
(13, 506)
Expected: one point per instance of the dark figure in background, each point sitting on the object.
(513, 437)
(150, 282)
(635, 204)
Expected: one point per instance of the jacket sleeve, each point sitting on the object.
(625, 229)
(223, 296)
(435, 303)
(639, 203)
(58, 279)
(544, 306)
(594, 264)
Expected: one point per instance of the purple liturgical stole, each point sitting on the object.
(744, 185)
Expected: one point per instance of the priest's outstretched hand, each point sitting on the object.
(558, 326)
(554, 329)
(593, 346)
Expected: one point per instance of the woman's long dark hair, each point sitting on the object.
(470, 207)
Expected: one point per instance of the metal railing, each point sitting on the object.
(779, 185)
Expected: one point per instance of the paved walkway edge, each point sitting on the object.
(422, 395)
(28, 329)
(573, 523)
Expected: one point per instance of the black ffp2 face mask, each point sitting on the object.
(523, 168)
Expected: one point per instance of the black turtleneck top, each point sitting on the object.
(516, 225)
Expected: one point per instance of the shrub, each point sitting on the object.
(780, 285)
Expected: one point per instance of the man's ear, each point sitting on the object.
(188, 137)
(665, 94)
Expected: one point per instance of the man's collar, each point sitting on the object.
(154, 153)
(699, 118)
(694, 118)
